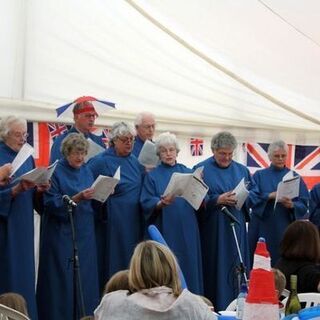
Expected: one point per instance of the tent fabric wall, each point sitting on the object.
(59, 50)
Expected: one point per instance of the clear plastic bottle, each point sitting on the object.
(241, 300)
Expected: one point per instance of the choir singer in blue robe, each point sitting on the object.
(315, 205)
(55, 294)
(174, 217)
(17, 202)
(268, 221)
(120, 226)
(220, 257)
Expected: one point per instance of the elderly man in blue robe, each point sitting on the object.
(145, 125)
(270, 221)
(221, 264)
(120, 225)
(17, 204)
(84, 115)
(174, 217)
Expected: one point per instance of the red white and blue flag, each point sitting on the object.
(56, 129)
(196, 146)
(106, 136)
(305, 160)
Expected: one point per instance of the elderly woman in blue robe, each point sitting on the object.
(120, 223)
(221, 264)
(270, 221)
(55, 293)
(17, 204)
(174, 217)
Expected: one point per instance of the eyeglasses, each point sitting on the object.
(148, 126)
(127, 139)
(280, 156)
(167, 151)
(23, 135)
(89, 115)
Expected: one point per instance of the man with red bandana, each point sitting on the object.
(84, 116)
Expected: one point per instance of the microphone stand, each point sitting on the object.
(241, 269)
(77, 287)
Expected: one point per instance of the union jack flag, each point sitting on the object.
(106, 136)
(56, 129)
(196, 146)
(305, 160)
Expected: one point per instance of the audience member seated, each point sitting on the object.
(300, 255)
(157, 293)
(279, 281)
(119, 281)
(14, 301)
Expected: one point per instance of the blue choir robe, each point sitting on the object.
(120, 227)
(55, 152)
(17, 266)
(177, 223)
(138, 144)
(219, 250)
(315, 205)
(266, 221)
(55, 278)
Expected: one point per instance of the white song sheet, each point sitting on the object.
(148, 156)
(188, 186)
(241, 194)
(289, 187)
(39, 175)
(93, 149)
(103, 186)
(25, 152)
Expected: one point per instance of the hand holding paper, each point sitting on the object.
(25, 152)
(288, 188)
(187, 186)
(241, 194)
(103, 186)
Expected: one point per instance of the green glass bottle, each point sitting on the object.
(293, 304)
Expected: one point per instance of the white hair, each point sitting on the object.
(166, 139)
(120, 129)
(140, 116)
(6, 125)
(223, 139)
(277, 145)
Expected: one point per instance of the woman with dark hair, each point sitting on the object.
(300, 255)
(156, 290)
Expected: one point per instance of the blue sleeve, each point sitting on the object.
(5, 202)
(53, 200)
(300, 204)
(257, 199)
(148, 197)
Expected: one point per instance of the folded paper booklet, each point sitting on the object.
(103, 186)
(188, 186)
(39, 175)
(93, 150)
(25, 152)
(241, 193)
(289, 187)
(148, 156)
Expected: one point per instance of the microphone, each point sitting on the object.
(67, 200)
(229, 215)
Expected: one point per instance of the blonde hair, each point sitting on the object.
(279, 280)
(14, 301)
(119, 281)
(153, 265)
